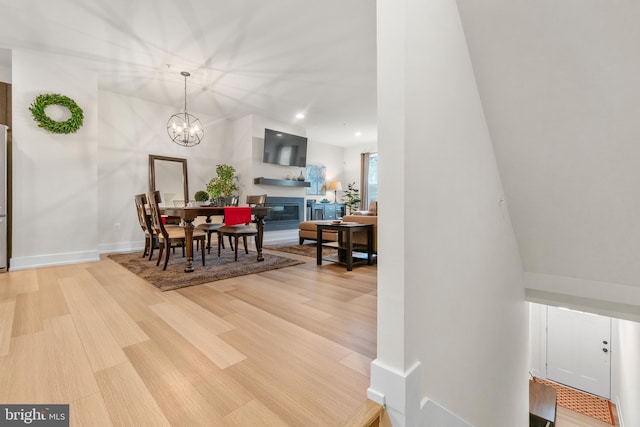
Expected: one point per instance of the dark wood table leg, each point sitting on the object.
(349, 253)
(188, 240)
(370, 245)
(318, 244)
(259, 237)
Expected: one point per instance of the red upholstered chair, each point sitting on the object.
(211, 227)
(238, 223)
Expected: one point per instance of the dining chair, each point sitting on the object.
(238, 222)
(210, 228)
(169, 235)
(145, 223)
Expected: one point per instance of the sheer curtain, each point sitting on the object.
(368, 179)
(364, 180)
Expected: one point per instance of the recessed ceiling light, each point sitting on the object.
(300, 116)
(358, 133)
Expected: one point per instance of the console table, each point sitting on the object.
(349, 253)
(325, 211)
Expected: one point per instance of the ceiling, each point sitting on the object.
(275, 58)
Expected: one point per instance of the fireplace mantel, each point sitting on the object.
(281, 182)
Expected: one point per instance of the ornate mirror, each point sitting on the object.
(169, 176)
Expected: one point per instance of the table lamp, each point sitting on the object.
(335, 186)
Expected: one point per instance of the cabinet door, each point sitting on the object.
(330, 212)
(317, 211)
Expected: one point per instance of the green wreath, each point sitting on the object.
(45, 122)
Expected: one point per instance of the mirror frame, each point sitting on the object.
(152, 173)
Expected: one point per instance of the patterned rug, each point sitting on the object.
(215, 268)
(581, 402)
(304, 250)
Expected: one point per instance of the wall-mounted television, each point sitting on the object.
(282, 148)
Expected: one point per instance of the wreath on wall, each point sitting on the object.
(40, 116)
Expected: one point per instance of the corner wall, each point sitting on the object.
(452, 321)
(54, 176)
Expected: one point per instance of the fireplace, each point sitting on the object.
(285, 213)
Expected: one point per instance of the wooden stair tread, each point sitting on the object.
(368, 415)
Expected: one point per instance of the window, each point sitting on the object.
(369, 179)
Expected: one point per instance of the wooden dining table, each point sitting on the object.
(189, 214)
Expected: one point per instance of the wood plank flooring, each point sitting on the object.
(288, 347)
(567, 418)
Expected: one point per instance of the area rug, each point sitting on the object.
(581, 402)
(304, 250)
(215, 268)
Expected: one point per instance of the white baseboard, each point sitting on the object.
(619, 412)
(538, 374)
(270, 237)
(38, 261)
(105, 248)
(398, 391)
(24, 263)
(281, 236)
(432, 414)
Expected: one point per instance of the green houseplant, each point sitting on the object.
(351, 198)
(201, 196)
(224, 186)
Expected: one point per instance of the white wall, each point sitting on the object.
(537, 340)
(267, 170)
(129, 130)
(5, 65)
(317, 154)
(5, 74)
(54, 176)
(559, 88)
(627, 373)
(450, 291)
(90, 177)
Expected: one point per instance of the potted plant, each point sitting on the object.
(351, 198)
(201, 197)
(224, 186)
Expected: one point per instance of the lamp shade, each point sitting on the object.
(335, 185)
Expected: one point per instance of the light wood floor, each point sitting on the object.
(288, 347)
(566, 418)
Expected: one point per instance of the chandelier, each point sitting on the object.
(183, 128)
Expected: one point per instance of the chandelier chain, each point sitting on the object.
(185, 93)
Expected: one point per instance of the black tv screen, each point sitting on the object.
(284, 149)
